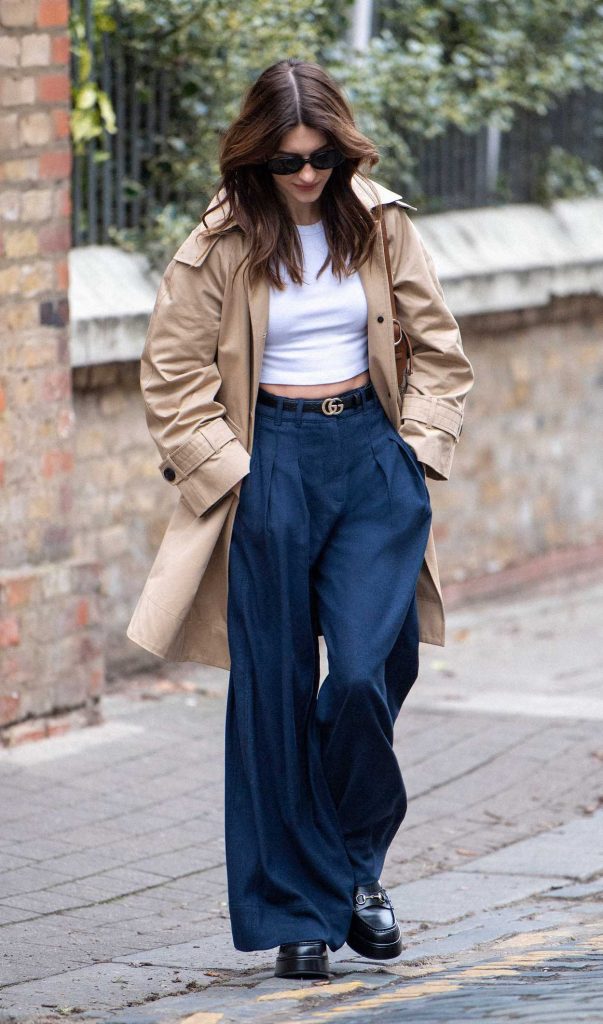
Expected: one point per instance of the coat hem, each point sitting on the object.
(437, 641)
(146, 646)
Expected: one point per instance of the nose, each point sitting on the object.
(307, 174)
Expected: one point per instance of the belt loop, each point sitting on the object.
(299, 408)
(363, 397)
(279, 410)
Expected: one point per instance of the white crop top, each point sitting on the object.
(317, 332)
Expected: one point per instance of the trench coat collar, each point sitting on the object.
(200, 242)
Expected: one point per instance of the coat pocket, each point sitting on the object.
(411, 455)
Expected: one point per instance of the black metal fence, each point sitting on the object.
(455, 170)
(119, 190)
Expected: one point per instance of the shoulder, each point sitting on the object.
(399, 224)
(391, 206)
(201, 246)
(374, 194)
(216, 232)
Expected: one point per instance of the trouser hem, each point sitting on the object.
(268, 930)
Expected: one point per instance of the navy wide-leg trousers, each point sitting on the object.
(328, 539)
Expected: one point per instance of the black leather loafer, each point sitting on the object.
(374, 931)
(308, 959)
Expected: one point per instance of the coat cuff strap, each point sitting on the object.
(207, 440)
(431, 411)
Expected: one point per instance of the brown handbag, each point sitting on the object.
(404, 366)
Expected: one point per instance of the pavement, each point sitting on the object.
(113, 904)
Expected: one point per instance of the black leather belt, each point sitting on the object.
(329, 406)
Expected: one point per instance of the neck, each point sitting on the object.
(305, 213)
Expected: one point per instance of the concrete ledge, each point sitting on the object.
(489, 260)
(111, 296)
(519, 256)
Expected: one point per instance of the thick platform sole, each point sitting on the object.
(302, 967)
(375, 950)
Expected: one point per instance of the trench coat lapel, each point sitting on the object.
(258, 298)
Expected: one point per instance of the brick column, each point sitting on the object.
(50, 643)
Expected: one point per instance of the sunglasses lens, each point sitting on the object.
(285, 164)
(329, 158)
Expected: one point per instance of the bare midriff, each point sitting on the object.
(318, 390)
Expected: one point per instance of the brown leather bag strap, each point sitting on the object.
(399, 332)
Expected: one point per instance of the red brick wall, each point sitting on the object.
(50, 650)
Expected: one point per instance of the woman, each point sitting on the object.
(270, 386)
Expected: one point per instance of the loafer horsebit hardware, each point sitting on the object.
(362, 897)
(331, 406)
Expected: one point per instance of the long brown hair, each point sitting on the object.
(289, 93)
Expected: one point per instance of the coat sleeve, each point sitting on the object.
(432, 407)
(200, 454)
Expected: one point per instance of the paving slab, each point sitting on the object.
(572, 851)
(586, 890)
(455, 894)
(216, 952)
(106, 986)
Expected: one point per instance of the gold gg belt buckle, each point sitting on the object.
(331, 406)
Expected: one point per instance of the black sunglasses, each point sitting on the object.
(292, 164)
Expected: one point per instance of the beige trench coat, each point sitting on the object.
(199, 378)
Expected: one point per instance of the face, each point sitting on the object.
(304, 187)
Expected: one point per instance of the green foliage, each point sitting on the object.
(466, 63)
(91, 109)
(489, 57)
(565, 175)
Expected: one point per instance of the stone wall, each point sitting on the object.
(527, 477)
(50, 638)
(122, 503)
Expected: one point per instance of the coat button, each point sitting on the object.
(169, 473)
(379, 319)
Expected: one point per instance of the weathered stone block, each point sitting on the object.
(36, 129)
(17, 13)
(35, 50)
(9, 51)
(53, 88)
(10, 200)
(15, 92)
(52, 13)
(10, 634)
(36, 204)
(19, 244)
(24, 169)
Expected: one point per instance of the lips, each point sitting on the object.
(306, 188)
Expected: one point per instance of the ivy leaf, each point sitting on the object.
(106, 112)
(86, 96)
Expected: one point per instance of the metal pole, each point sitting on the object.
(492, 158)
(91, 145)
(362, 24)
